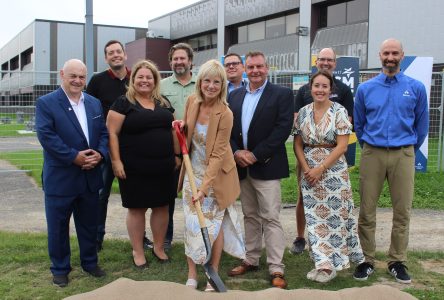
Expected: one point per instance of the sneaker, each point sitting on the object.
(363, 271)
(312, 274)
(398, 270)
(298, 246)
(147, 243)
(323, 276)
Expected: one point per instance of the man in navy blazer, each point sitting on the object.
(263, 117)
(71, 129)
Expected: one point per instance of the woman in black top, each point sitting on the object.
(142, 149)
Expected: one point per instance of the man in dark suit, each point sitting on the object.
(71, 129)
(263, 117)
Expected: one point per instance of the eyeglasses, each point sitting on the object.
(323, 59)
(232, 64)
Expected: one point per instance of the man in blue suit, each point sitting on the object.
(71, 129)
(263, 117)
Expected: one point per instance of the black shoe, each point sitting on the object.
(99, 246)
(142, 266)
(147, 244)
(363, 271)
(161, 260)
(398, 270)
(96, 272)
(298, 246)
(60, 280)
(167, 245)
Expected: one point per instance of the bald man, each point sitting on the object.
(342, 94)
(71, 129)
(391, 122)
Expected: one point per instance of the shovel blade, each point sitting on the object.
(214, 279)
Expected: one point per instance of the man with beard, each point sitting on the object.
(177, 88)
(181, 83)
(391, 122)
(342, 94)
(107, 86)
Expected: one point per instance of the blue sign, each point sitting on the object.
(420, 68)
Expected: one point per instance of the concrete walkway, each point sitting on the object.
(22, 210)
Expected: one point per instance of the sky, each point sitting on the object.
(17, 14)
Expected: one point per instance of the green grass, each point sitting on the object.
(11, 130)
(24, 270)
(428, 186)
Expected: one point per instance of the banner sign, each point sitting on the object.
(347, 71)
(420, 68)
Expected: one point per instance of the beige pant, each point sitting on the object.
(261, 205)
(397, 166)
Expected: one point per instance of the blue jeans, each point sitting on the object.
(108, 177)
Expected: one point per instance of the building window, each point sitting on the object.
(256, 31)
(242, 34)
(204, 42)
(14, 63)
(214, 40)
(357, 11)
(5, 69)
(346, 13)
(291, 22)
(337, 14)
(26, 57)
(194, 43)
(275, 28)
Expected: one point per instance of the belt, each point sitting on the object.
(391, 148)
(320, 145)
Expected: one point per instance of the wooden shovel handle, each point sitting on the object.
(190, 173)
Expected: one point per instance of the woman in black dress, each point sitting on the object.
(142, 149)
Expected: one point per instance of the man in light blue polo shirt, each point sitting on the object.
(391, 121)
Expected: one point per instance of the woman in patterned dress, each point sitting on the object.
(321, 138)
(208, 122)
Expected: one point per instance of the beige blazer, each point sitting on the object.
(221, 172)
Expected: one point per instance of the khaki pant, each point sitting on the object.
(261, 205)
(397, 166)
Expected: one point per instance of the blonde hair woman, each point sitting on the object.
(142, 149)
(208, 122)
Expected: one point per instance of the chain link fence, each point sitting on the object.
(20, 90)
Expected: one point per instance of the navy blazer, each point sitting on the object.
(61, 137)
(269, 129)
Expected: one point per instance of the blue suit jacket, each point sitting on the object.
(61, 137)
(269, 129)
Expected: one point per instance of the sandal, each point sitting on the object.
(192, 283)
(209, 288)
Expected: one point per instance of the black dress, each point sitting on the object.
(147, 153)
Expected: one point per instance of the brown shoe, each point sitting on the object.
(242, 269)
(278, 280)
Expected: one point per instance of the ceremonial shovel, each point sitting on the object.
(213, 277)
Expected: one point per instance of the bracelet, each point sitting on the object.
(178, 155)
(322, 165)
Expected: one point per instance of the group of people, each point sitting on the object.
(236, 129)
